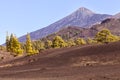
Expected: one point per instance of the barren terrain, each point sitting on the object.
(91, 62)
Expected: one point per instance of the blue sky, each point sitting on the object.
(22, 16)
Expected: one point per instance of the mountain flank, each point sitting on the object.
(73, 32)
(82, 17)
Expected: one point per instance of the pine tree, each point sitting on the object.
(13, 45)
(91, 41)
(58, 42)
(70, 43)
(48, 44)
(16, 47)
(38, 45)
(105, 36)
(23, 46)
(7, 43)
(29, 47)
(80, 41)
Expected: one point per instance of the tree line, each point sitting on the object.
(33, 47)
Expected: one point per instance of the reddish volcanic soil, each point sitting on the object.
(91, 62)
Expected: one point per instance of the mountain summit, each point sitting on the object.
(84, 10)
(81, 14)
(82, 17)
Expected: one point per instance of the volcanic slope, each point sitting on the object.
(73, 32)
(82, 17)
(91, 62)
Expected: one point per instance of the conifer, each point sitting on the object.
(80, 41)
(13, 45)
(48, 44)
(29, 49)
(7, 43)
(58, 42)
(105, 36)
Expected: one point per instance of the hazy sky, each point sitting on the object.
(22, 16)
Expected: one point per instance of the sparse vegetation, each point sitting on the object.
(33, 47)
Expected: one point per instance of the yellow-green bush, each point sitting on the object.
(80, 41)
(70, 43)
(105, 36)
(91, 41)
(58, 42)
(48, 44)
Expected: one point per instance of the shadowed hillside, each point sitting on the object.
(75, 32)
(70, 32)
(112, 24)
